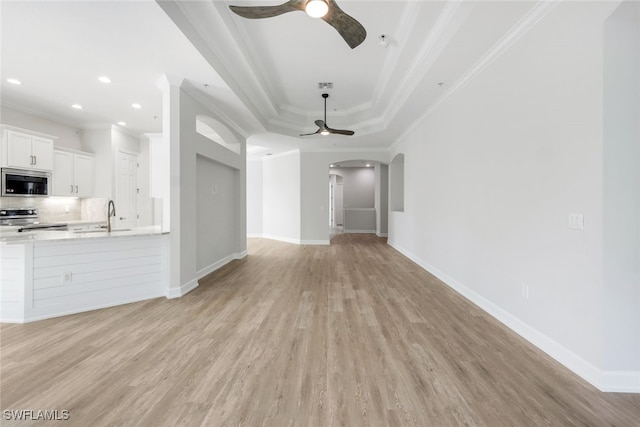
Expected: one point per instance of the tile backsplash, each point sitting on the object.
(60, 209)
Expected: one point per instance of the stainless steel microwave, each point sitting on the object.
(25, 183)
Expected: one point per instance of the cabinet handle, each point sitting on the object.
(76, 189)
(121, 218)
(31, 162)
(71, 188)
(35, 160)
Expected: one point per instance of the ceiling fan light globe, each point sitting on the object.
(324, 132)
(316, 8)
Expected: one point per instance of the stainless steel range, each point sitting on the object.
(26, 218)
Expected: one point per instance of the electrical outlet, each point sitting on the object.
(67, 277)
(214, 189)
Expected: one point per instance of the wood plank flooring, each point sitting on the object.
(352, 334)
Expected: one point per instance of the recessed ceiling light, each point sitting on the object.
(104, 79)
(136, 106)
(368, 165)
(77, 106)
(14, 81)
(330, 166)
(122, 123)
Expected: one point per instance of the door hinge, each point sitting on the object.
(138, 216)
(138, 190)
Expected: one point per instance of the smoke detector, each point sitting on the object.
(325, 85)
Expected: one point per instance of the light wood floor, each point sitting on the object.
(351, 334)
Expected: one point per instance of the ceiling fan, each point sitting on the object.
(351, 30)
(323, 129)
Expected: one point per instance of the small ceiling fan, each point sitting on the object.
(351, 30)
(323, 129)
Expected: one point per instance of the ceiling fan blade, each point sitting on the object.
(312, 133)
(340, 131)
(351, 30)
(320, 124)
(258, 12)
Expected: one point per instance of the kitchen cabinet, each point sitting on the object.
(72, 174)
(26, 149)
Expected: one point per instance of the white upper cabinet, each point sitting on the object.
(26, 150)
(72, 174)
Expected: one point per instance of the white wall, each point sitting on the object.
(216, 222)
(621, 153)
(68, 136)
(486, 204)
(254, 198)
(281, 197)
(358, 187)
(188, 253)
(314, 201)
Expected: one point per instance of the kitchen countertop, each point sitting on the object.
(13, 236)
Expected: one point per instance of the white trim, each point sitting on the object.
(213, 267)
(184, 289)
(254, 235)
(382, 234)
(522, 27)
(83, 309)
(314, 242)
(288, 240)
(280, 238)
(619, 381)
(359, 232)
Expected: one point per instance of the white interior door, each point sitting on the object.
(126, 190)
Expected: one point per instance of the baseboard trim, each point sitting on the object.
(289, 240)
(606, 381)
(185, 288)
(360, 231)
(382, 234)
(314, 242)
(85, 309)
(280, 238)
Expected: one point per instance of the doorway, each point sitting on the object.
(126, 199)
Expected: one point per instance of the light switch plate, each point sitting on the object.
(576, 221)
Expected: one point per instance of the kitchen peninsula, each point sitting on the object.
(49, 273)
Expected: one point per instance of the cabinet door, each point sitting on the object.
(42, 151)
(19, 150)
(83, 175)
(62, 175)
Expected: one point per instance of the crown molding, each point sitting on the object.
(446, 26)
(206, 28)
(205, 100)
(408, 22)
(522, 27)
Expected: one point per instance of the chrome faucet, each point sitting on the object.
(111, 211)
